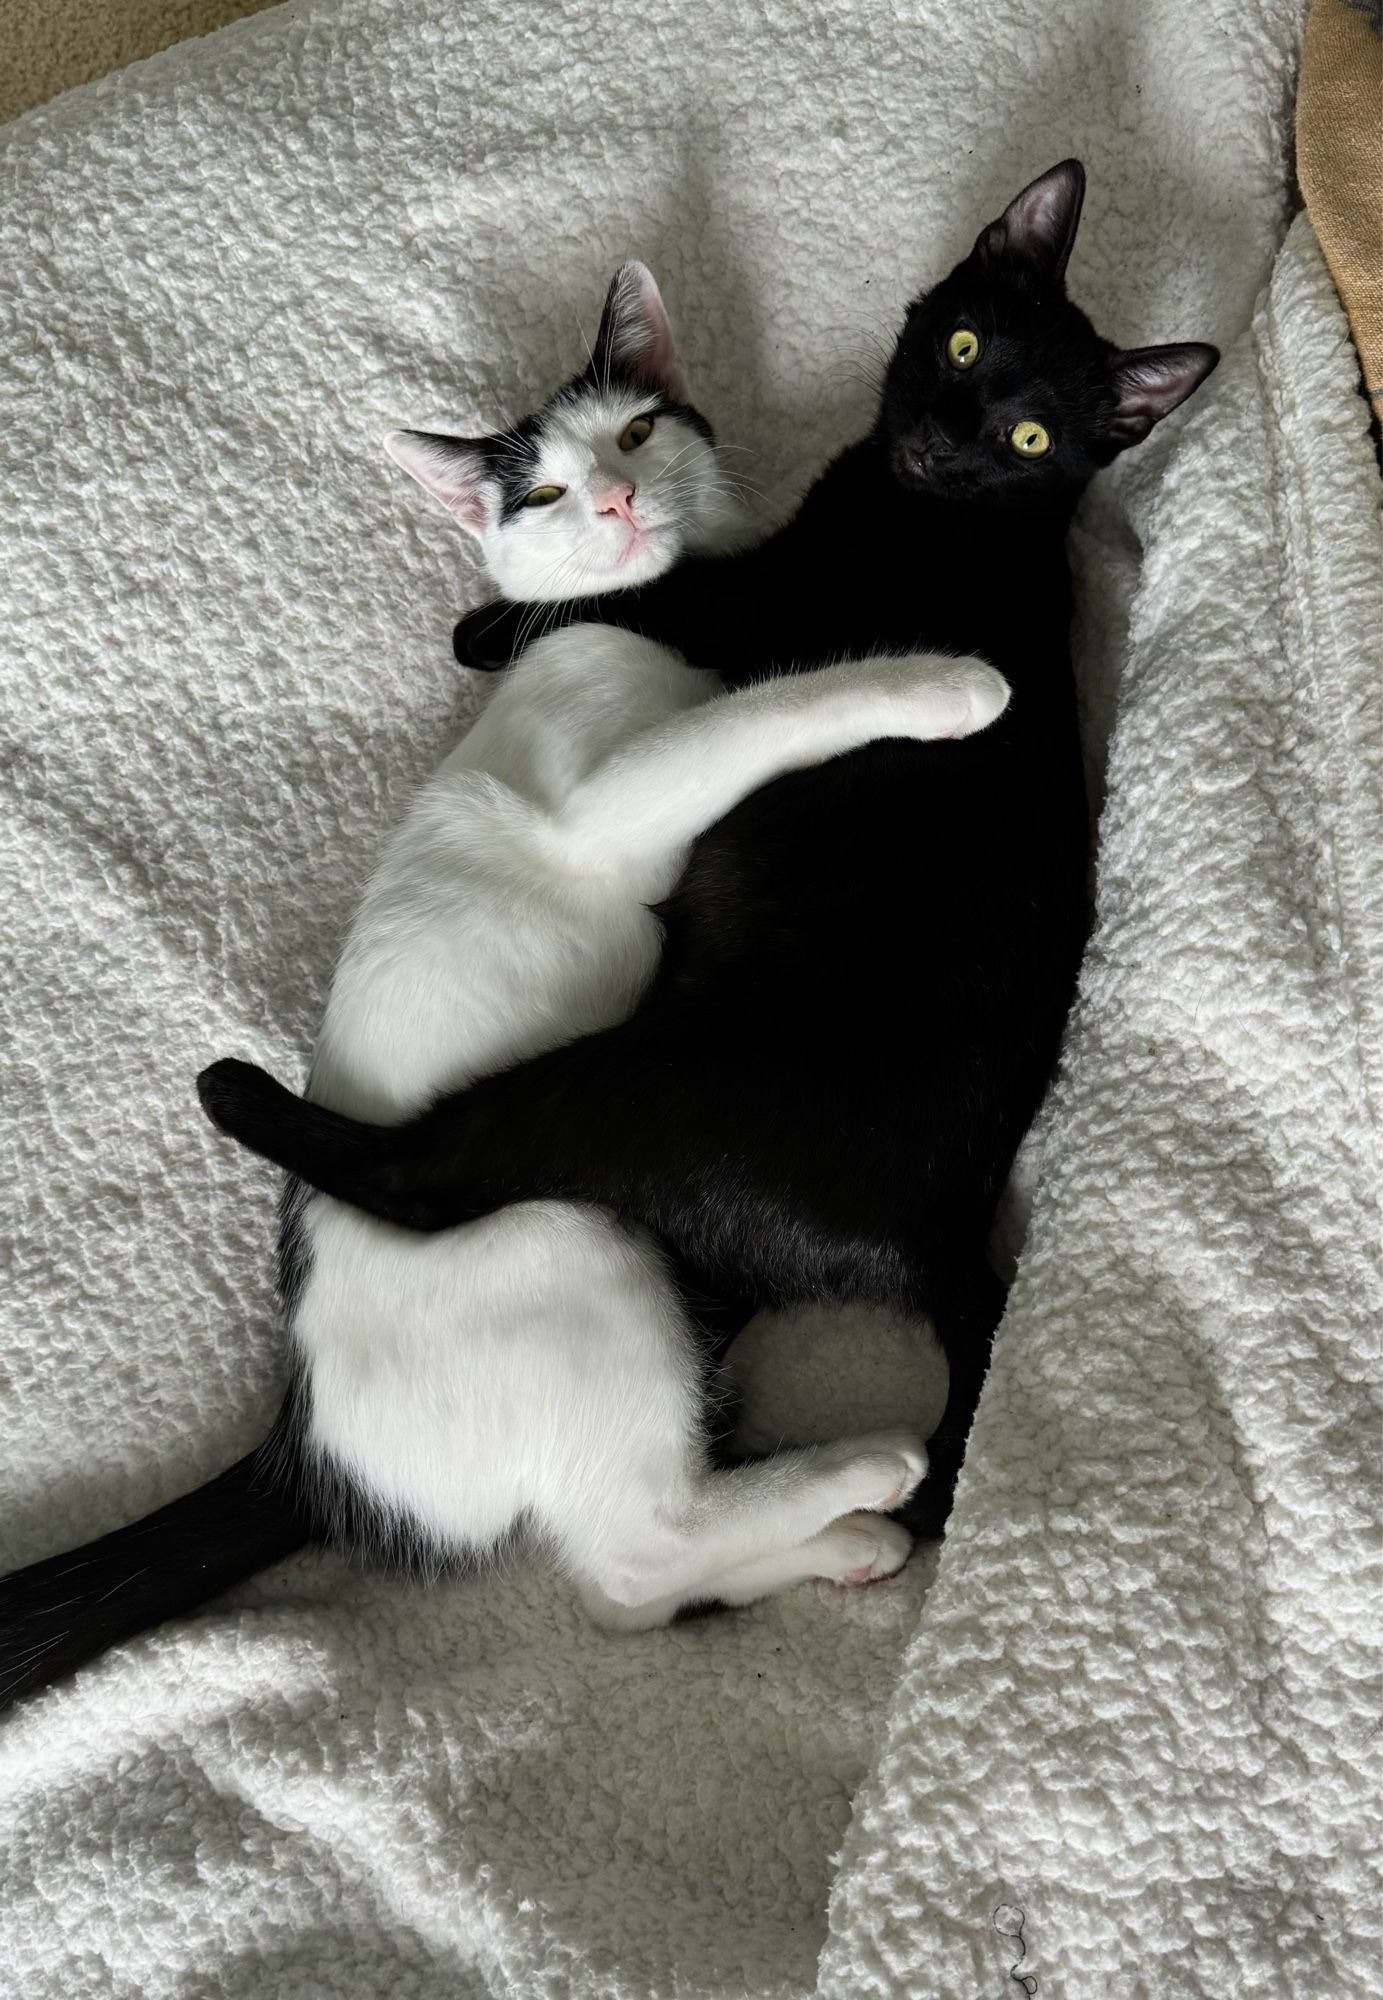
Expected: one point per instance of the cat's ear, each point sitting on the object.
(635, 336)
(1149, 382)
(1039, 225)
(453, 470)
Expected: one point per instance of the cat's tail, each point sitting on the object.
(58, 1614)
(362, 1164)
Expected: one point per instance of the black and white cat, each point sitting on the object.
(539, 1366)
(867, 965)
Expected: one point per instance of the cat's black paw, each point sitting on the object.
(235, 1095)
(484, 638)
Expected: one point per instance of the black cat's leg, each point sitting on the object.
(592, 1121)
(965, 1308)
(755, 1170)
(568, 1124)
(495, 635)
(676, 610)
(491, 636)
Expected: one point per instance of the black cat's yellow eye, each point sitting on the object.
(635, 432)
(1030, 440)
(963, 348)
(543, 496)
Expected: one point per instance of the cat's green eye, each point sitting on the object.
(1030, 440)
(635, 432)
(543, 496)
(963, 348)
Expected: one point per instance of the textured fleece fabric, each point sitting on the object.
(1131, 1715)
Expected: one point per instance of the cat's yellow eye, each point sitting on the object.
(543, 496)
(1030, 440)
(963, 348)
(635, 432)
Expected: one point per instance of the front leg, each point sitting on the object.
(669, 785)
(493, 636)
(690, 608)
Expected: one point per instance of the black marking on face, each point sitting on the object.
(514, 457)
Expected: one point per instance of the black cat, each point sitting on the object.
(868, 965)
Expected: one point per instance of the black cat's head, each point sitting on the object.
(1000, 392)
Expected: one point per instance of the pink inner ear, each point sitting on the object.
(451, 470)
(1150, 382)
(644, 334)
(1040, 222)
(468, 502)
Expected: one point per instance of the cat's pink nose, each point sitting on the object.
(620, 502)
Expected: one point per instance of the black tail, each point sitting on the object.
(58, 1614)
(365, 1165)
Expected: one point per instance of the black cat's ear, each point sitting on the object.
(453, 470)
(635, 337)
(1039, 225)
(1149, 382)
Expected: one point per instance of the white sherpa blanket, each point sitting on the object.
(1124, 1754)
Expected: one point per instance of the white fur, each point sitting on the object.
(552, 552)
(575, 546)
(536, 1365)
(571, 548)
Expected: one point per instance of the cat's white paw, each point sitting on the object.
(936, 697)
(877, 1472)
(862, 1548)
(987, 695)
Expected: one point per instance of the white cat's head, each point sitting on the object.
(605, 486)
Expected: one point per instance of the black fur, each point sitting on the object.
(57, 1614)
(867, 966)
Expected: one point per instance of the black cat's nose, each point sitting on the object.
(935, 439)
(924, 450)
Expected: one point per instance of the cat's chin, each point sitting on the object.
(952, 486)
(655, 552)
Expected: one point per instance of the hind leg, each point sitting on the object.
(857, 1549)
(753, 1518)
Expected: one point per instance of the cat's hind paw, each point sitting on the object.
(862, 1548)
(874, 1473)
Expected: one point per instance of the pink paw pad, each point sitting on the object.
(864, 1574)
